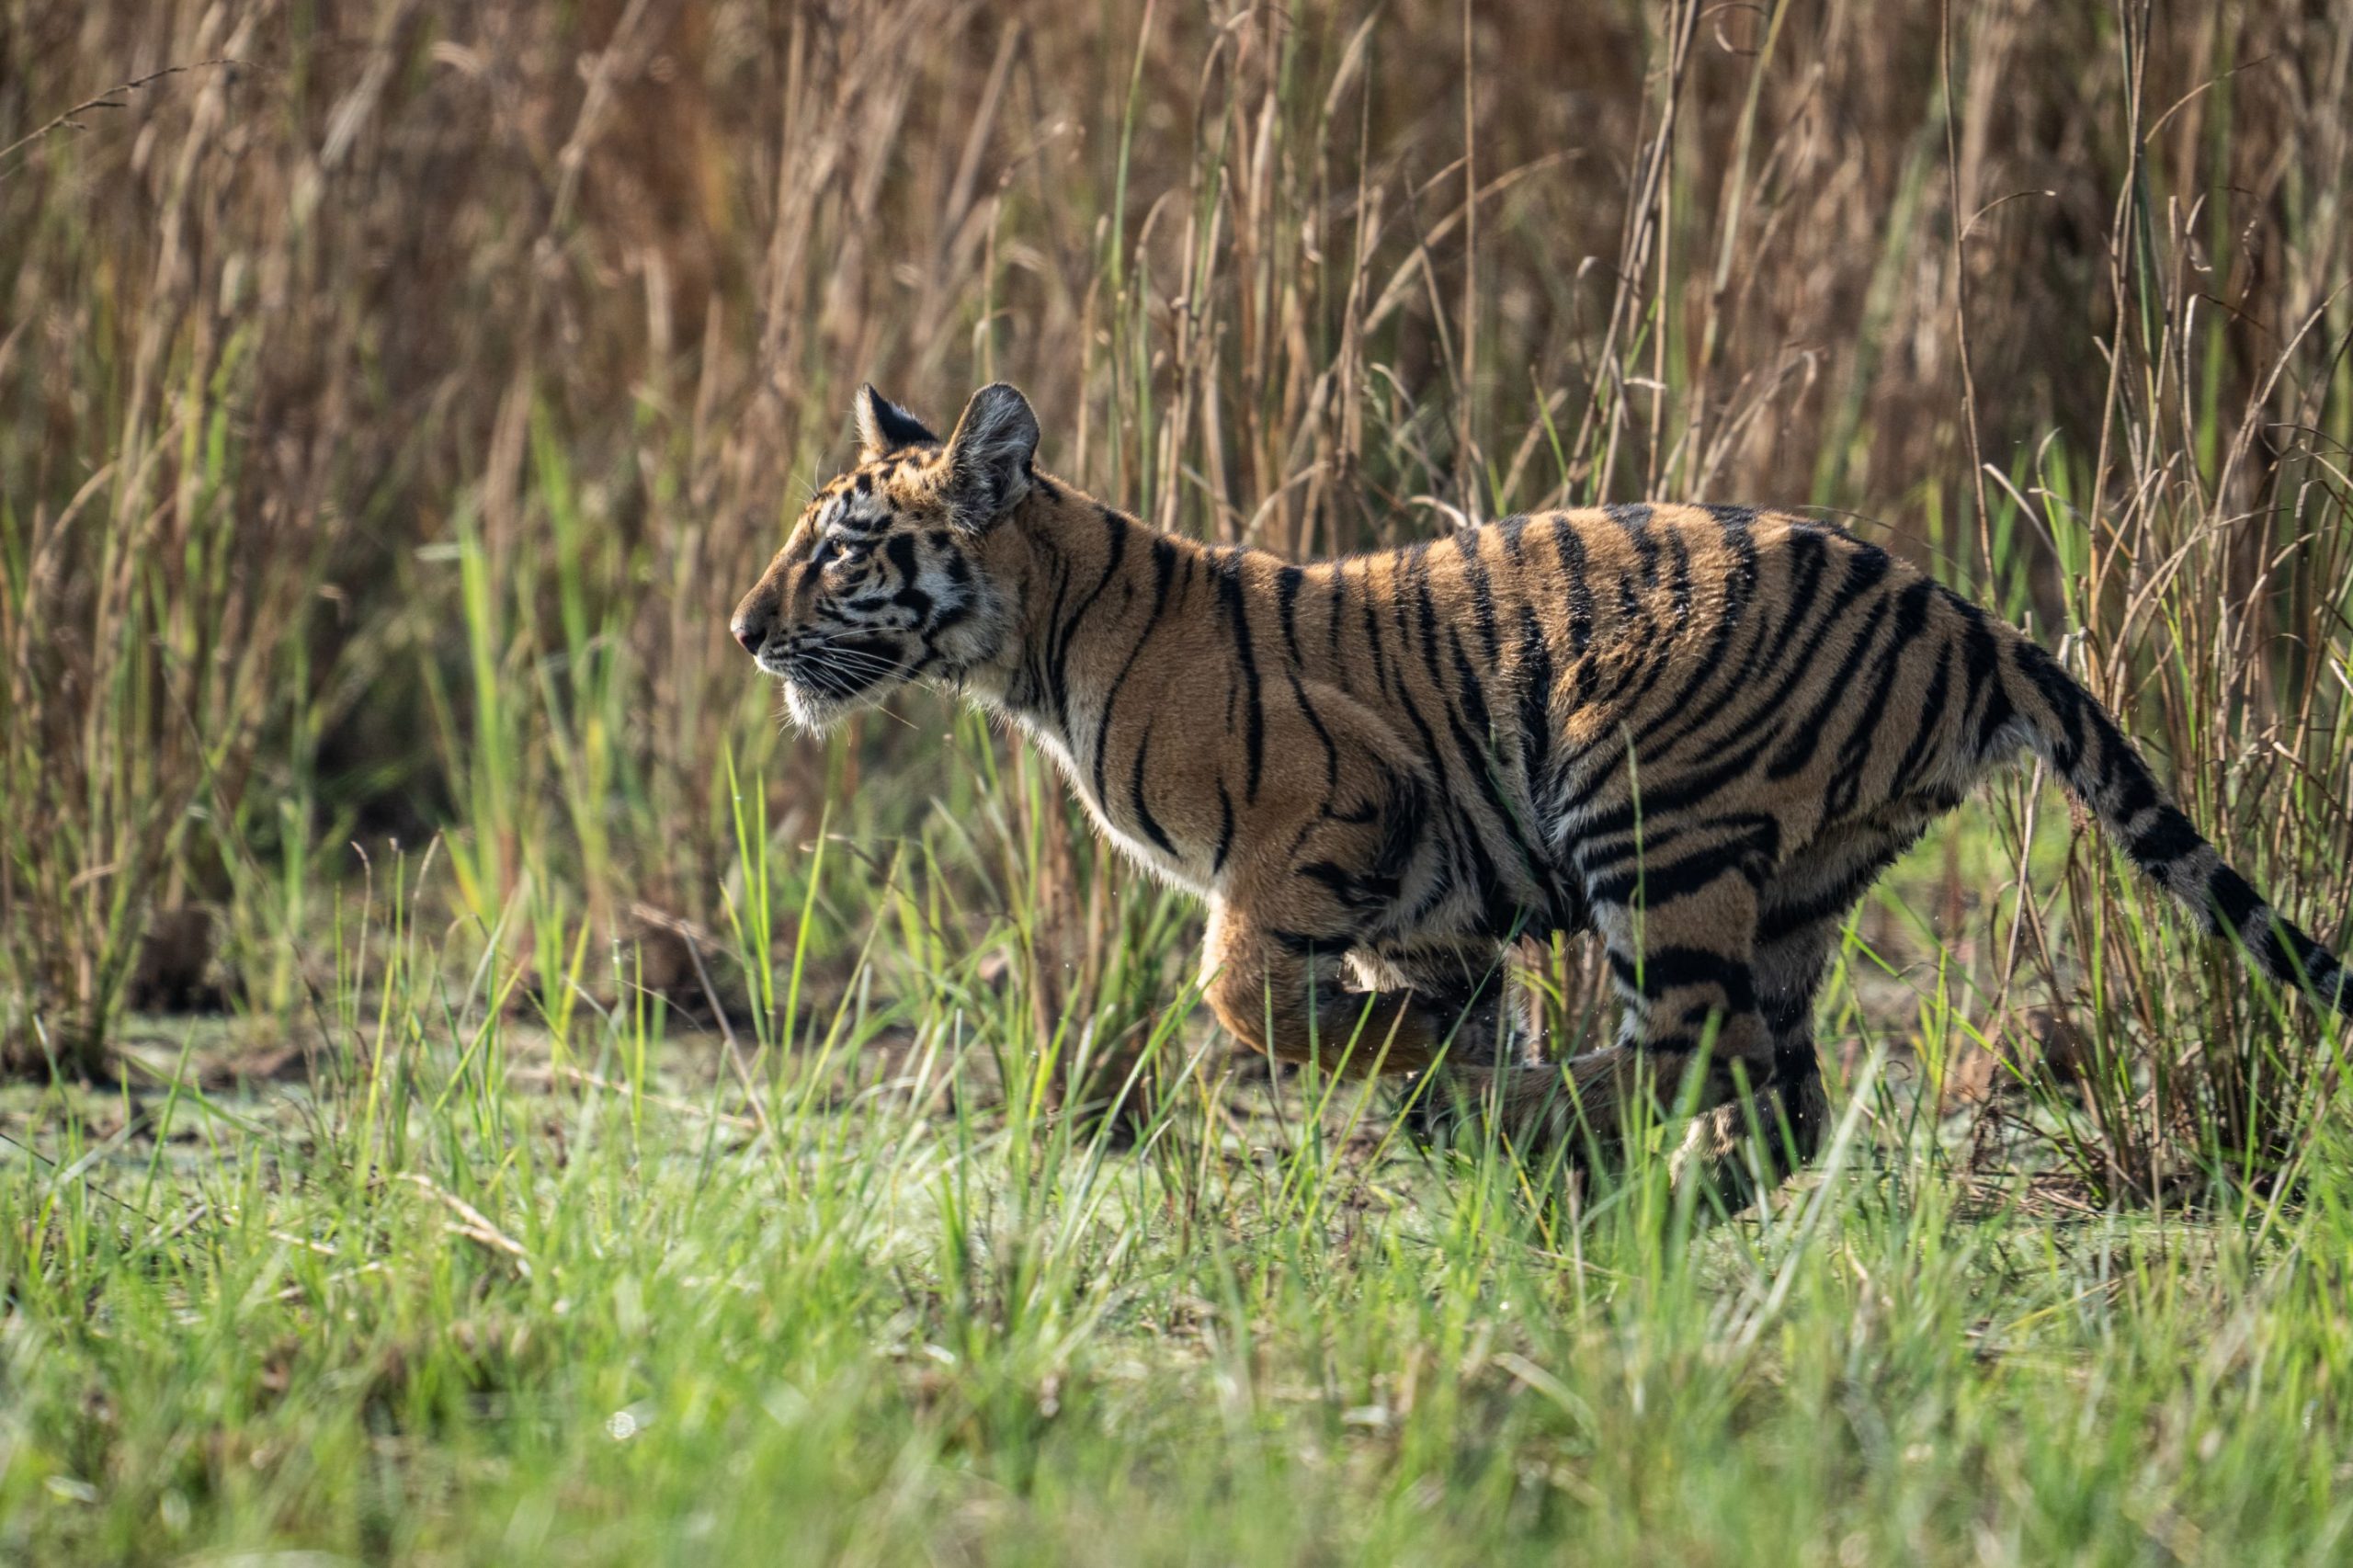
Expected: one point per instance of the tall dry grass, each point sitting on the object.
(388, 415)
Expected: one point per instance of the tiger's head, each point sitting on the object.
(886, 577)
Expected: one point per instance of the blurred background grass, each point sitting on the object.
(395, 396)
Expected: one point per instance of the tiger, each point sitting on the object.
(1698, 732)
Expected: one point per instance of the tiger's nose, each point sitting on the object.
(751, 626)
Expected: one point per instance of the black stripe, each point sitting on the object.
(1680, 582)
(1403, 812)
(1787, 920)
(1346, 889)
(1593, 856)
(1867, 566)
(2305, 963)
(1805, 736)
(1810, 559)
(1672, 968)
(1315, 723)
(2125, 780)
(1535, 676)
(1228, 585)
(1440, 813)
(1469, 690)
(1740, 588)
(2232, 897)
(1692, 790)
(1752, 838)
(1570, 548)
(1478, 761)
(1225, 828)
(1854, 756)
(1932, 714)
(1116, 551)
(2062, 697)
(1164, 565)
(1135, 795)
(1466, 839)
(1830, 900)
(1654, 663)
(1659, 640)
(2165, 841)
(1041, 679)
(1981, 664)
(1425, 610)
(1286, 581)
(956, 614)
(1511, 529)
(1372, 632)
(1482, 598)
(1635, 518)
(1664, 883)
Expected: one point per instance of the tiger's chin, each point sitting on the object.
(814, 712)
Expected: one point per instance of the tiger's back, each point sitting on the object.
(1580, 690)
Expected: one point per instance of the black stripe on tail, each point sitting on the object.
(2070, 730)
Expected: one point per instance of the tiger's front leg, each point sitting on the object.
(1467, 983)
(1281, 993)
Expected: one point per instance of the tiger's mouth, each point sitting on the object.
(828, 682)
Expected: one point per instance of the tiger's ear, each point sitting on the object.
(883, 426)
(989, 456)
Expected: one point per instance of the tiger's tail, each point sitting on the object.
(2067, 728)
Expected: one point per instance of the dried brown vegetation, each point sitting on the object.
(390, 409)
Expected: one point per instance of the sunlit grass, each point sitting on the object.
(478, 1297)
(494, 1287)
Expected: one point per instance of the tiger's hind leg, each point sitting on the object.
(1746, 1148)
(1684, 966)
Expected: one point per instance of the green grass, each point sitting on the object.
(501, 1284)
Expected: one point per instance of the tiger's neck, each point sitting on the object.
(1113, 634)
